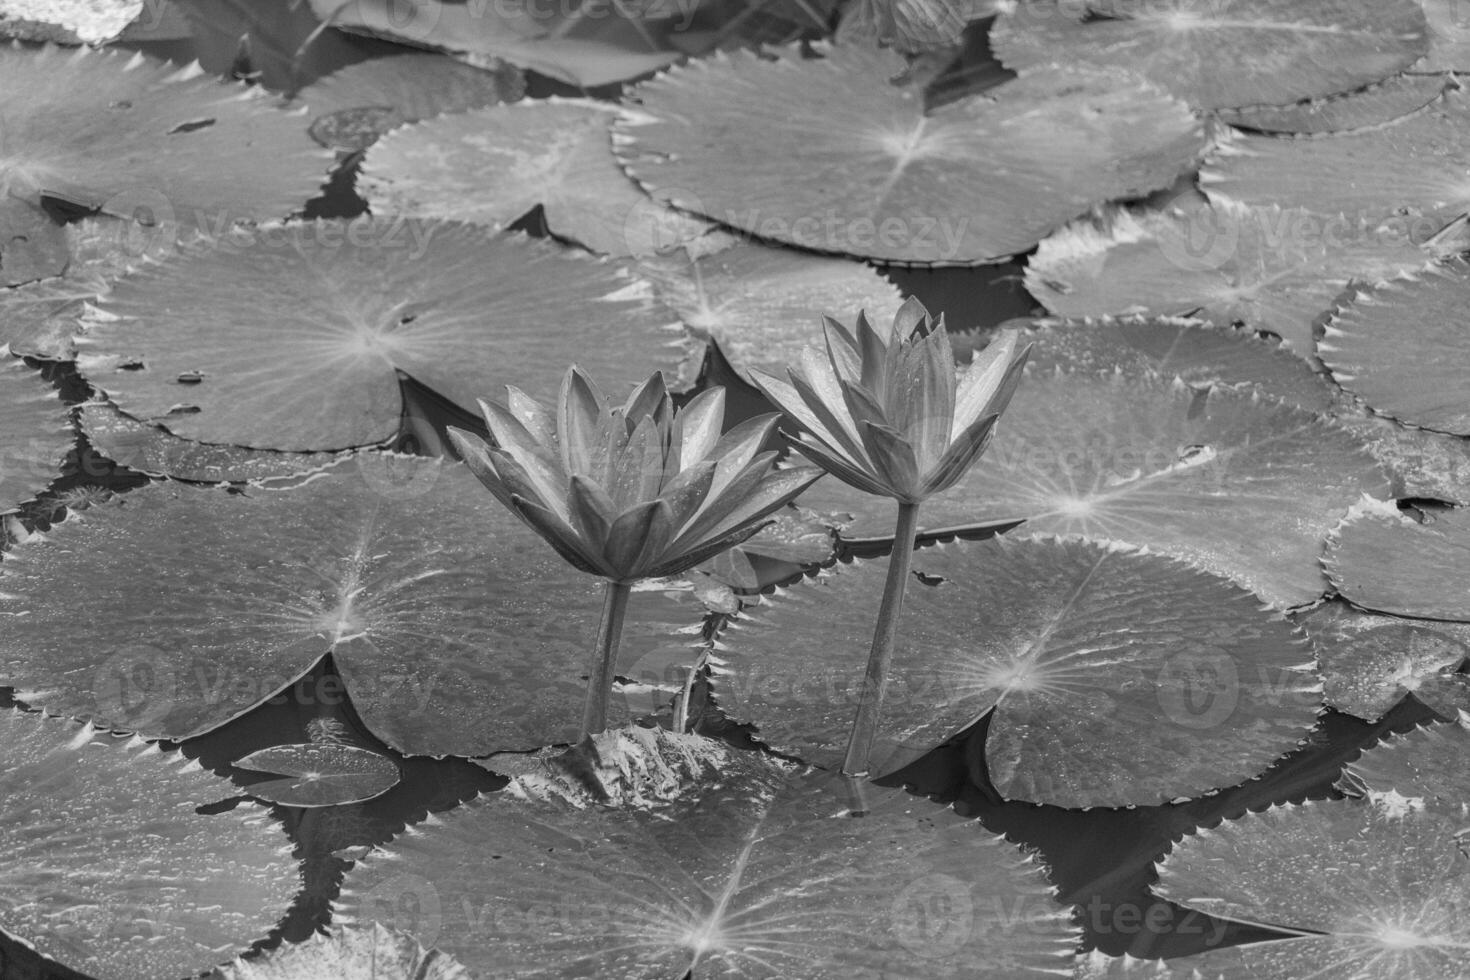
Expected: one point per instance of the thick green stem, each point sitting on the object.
(875, 683)
(605, 657)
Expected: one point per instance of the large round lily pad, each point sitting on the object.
(1236, 483)
(1375, 105)
(34, 433)
(1116, 677)
(827, 154)
(1219, 53)
(1428, 767)
(1267, 268)
(375, 953)
(292, 337)
(1404, 348)
(1389, 562)
(494, 165)
(758, 875)
(121, 132)
(107, 865)
(1376, 894)
(455, 629)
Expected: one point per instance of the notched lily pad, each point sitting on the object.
(762, 873)
(1116, 677)
(68, 21)
(109, 867)
(319, 774)
(1384, 102)
(1427, 767)
(374, 953)
(35, 435)
(1384, 560)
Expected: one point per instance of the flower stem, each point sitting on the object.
(605, 657)
(875, 683)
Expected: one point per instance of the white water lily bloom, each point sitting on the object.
(889, 415)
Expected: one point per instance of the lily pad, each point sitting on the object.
(1236, 483)
(109, 866)
(328, 314)
(353, 106)
(762, 874)
(1370, 663)
(493, 165)
(32, 246)
(1266, 268)
(375, 953)
(117, 131)
(1384, 894)
(1388, 562)
(1449, 37)
(1422, 463)
(1428, 767)
(1220, 53)
(828, 155)
(319, 773)
(762, 305)
(1405, 174)
(34, 433)
(67, 21)
(1403, 348)
(1384, 102)
(151, 449)
(454, 628)
(1116, 677)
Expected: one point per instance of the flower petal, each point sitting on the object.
(860, 478)
(592, 512)
(774, 491)
(697, 428)
(784, 396)
(637, 539)
(531, 414)
(833, 412)
(842, 350)
(686, 493)
(675, 562)
(476, 455)
(894, 461)
(540, 464)
(912, 318)
(874, 352)
(651, 398)
(560, 535)
(962, 453)
(581, 414)
(637, 471)
(991, 380)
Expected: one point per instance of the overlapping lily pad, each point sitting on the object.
(326, 315)
(34, 433)
(454, 628)
(1239, 484)
(350, 108)
(1116, 677)
(1406, 172)
(494, 165)
(1374, 893)
(108, 866)
(375, 953)
(67, 21)
(121, 131)
(319, 773)
(1449, 37)
(1377, 104)
(1267, 268)
(1403, 347)
(762, 305)
(1370, 663)
(1386, 561)
(763, 873)
(1428, 767)
(1422, 462)
(828, 155)
(1216, 54)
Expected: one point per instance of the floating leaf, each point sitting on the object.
(1423, 463)
(153, 450)
(67, 21)
(1426, 766)
(375, 953)
(455, 630)
(1265, 268)
(1116, 677)
(827, 154)
(32, 246)
(1386, 561)
(329, 313)
(1404, 350)
(1195, 351)
(762, 305)
(34, 434)
(1215, 54)
(123, 132)
(761, 874)
(319, 774)
(109, 866)
(1237, 484)
(1369, 663)
(1387, 894)
(1449, 37)
(1373, 106)
(353, 106)
(494, 165)
(1405, 174)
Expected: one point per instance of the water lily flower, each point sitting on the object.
(889, 415)
(629, 492)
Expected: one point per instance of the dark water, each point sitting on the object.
(1101, 861)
